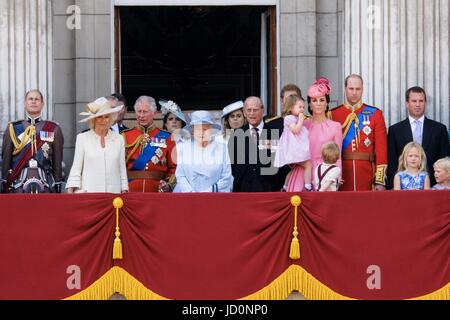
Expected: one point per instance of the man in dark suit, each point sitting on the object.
(430, 134)
(119, 127)
(250, 151)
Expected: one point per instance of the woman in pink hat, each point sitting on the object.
(321, 129)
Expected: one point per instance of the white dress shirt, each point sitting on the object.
(413, 125)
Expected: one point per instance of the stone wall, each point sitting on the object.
(82, 63)
(311, 43)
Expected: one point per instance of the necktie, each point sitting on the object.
(417, 132)
(254, 134)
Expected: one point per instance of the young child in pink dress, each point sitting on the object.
(294, 143)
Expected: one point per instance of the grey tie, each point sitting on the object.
(417, 132)
(254, 134)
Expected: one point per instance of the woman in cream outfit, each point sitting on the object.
(99, 161)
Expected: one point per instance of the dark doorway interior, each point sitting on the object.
(200, 57)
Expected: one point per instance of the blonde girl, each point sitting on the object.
(412, 174)
(294, 144)
(442, 174)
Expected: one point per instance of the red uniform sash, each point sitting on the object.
(27, 155)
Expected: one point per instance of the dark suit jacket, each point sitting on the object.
(434, 142)
(276, 126)
(251, 167)
(122, 128)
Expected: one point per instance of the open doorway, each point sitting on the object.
(201, 57)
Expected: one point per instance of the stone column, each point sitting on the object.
(82, 62)
(93, 53)
(310, 37)
(298, 40)
(395, 45)
(64, 89)
(25, 56)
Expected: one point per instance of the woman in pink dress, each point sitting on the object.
(321, 129)
(294, 142)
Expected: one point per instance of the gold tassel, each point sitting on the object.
(295, 245)
(295, 248)
(117, 247)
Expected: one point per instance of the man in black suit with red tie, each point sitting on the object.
(432, 135)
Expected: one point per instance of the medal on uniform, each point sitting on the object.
(47, 136)
(366, 121)
(163, 143)
(367, 142)
(45, 148)
(159, 152)
(367, 130)
(32, 164)
(155, 160)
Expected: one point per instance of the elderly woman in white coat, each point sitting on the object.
(99, 161)
(203, 163)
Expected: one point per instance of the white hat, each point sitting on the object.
(171, 107)
(202, 117)
(97, 108)
(232, 107)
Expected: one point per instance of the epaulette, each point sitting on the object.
(15, 122)
(271, 119)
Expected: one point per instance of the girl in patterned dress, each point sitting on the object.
(412, 174)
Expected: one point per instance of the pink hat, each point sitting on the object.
(319, 88)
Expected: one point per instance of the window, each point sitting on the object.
(202, 57)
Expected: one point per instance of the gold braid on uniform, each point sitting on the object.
(134, 145)
(380, 174)
(171, 181)
(352, 117)
(28, 135)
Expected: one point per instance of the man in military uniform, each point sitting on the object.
(364, 149)
(150, 152)
(32, 151)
